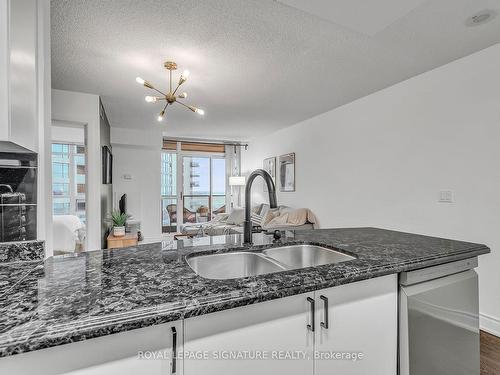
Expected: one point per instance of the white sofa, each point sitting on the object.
(232, 223)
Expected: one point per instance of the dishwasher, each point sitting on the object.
(439, 320)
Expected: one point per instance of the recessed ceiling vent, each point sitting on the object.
(481, 17)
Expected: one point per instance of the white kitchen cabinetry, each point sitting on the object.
(18, 74)
(273, 327)
(362, 318)
(117, 354)
(268, 338)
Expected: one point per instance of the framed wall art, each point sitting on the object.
(286, 165)
(269, 165)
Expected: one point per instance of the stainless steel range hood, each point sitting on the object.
(11, 147)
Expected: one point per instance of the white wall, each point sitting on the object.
(137, 154)
(381, 161)
(83, 109)
(44, 201)
(69, 134)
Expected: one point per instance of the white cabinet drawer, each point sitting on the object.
(141, 351)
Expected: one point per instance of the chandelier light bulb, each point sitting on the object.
(151, 99)
(200, 111)
(183, 95)
(160, 116)
(139, 80)
(184, 76)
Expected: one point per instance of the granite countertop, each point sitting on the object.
(73, 298)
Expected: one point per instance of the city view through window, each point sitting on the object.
(203, 192)
(68, 180)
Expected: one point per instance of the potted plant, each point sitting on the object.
(118, 219)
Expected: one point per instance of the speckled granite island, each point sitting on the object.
(91, 295)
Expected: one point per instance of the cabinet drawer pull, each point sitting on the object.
(174, 351)
(324, 323)
(311, 326)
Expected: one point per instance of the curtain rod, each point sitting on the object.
(225, 143)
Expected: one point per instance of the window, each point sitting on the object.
(68, 179)
(80, 205)
(61, 206)
(60, 150)
(203, 179)
(218, 185)
(60, 170)
(204, 187)
(60, 189)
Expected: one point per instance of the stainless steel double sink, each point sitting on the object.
(244, 264)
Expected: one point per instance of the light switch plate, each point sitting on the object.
(445, 196)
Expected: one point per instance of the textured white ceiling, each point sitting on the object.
(256, 65)
(367, 17)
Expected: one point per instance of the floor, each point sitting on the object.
(490, 354)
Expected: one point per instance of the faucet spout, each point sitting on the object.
(247, 230)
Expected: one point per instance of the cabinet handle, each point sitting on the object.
(311, 326)
(324, 324)
(174, 351)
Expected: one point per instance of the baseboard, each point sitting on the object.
(489, 324)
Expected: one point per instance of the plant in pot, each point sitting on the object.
(118, 219)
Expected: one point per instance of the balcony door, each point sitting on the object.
(204, 188)
(193, 188)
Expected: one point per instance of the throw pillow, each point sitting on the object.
(257, 220)
(236, 217)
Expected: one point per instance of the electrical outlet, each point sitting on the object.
(445, 196)
(127, 176)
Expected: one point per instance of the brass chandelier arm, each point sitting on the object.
(185, 105)
(158, 91)
(150, 86)
(192, 108)
(177, 88)
(162, 113)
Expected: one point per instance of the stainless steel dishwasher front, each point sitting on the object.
(439, 320)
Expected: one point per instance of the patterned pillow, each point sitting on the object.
(270, 215)
(256, 219)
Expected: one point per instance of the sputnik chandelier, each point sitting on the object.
(171, 97)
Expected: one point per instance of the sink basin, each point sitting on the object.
(232, 265)
(245, 264)
(301, 256)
